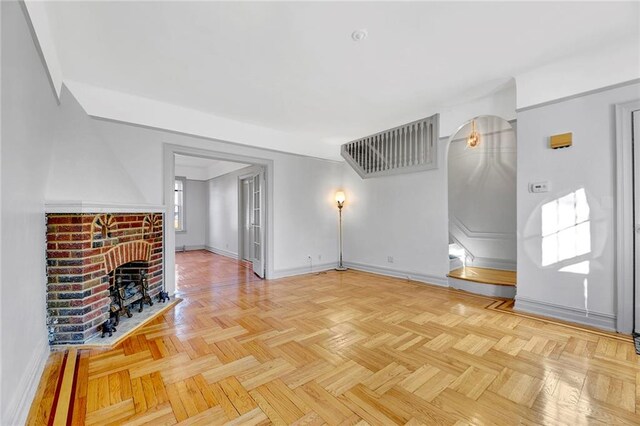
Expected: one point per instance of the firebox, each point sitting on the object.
(98, 265)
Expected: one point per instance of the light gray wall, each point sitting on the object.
(222, 229)
(401, 216)
(303, 211)
(196, 207)
(29, 123)
(590, 165)
(482, 194)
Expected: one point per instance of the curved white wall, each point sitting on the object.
(482, 193)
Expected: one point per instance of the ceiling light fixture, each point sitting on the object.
(359, 35)
(473, 139)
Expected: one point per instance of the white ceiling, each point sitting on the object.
(199, 168)
(293, 66)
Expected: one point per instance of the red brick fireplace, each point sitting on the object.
(84, 254)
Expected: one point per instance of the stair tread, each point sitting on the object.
(484, 275)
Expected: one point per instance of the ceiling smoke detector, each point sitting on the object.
(359, 35)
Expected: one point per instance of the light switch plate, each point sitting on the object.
(537, 187)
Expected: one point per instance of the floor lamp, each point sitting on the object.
(340, 200)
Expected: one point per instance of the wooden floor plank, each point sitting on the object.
(341, 348)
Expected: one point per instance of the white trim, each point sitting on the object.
(577, 315)
(484, 235)
(410, 275)
(38, 22)
(492, 263)
(579, 95)
(179, 249)
(222, 252)
(169, 152)
(301, 270)
(18, 407)
(624, 278)
(75, 206)
(484, 289)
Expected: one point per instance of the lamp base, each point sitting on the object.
(341, 268)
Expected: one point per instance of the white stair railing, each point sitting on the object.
(411, 147)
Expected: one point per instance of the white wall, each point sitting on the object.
(132, 172)
(482, 194)
(29, 115)
(590, 165)
(194, 236)
(610, 65)
(402, 216)
(222, 223)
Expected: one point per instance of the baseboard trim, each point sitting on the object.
(222, 252)
(189, 248)
(396, 273)
(19, 406)
(493, 263)
(301, 270)
(490, 290)
(577, 315)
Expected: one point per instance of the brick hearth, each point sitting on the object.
(82, 249)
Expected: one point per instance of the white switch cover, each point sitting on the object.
(536, 187)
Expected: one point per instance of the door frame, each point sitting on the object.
(168, 177)
(624, 220)
(241, 216)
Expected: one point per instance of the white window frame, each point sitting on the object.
(182, 213)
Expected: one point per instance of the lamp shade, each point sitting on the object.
(340, 197)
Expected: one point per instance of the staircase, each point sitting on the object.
(484, 281)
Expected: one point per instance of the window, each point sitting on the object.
(178, 209)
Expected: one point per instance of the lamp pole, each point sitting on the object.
(340, 264)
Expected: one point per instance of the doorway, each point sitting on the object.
(225, 215)
(627, 217)
(481, 169)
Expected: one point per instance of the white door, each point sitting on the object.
(258, 224)
(636, 171)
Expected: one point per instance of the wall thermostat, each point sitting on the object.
(537, 187)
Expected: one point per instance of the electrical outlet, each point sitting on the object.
(389, 259)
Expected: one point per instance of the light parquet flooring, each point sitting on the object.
(344, 348)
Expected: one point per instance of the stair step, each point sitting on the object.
(484, 275)
(484, 281)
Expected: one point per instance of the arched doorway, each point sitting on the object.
(481, 166)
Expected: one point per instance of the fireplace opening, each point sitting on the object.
(128, 292)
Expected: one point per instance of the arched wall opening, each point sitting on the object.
(481, 167)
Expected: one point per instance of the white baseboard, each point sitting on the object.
(282, 273)
(491, 290)
(18, 407)
(188, 248)
(411, 275)
(492, 263)
(581, 316)
(222, 252)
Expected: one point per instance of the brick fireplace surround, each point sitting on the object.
(83, 249)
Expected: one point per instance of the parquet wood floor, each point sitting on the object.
(344, 348)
